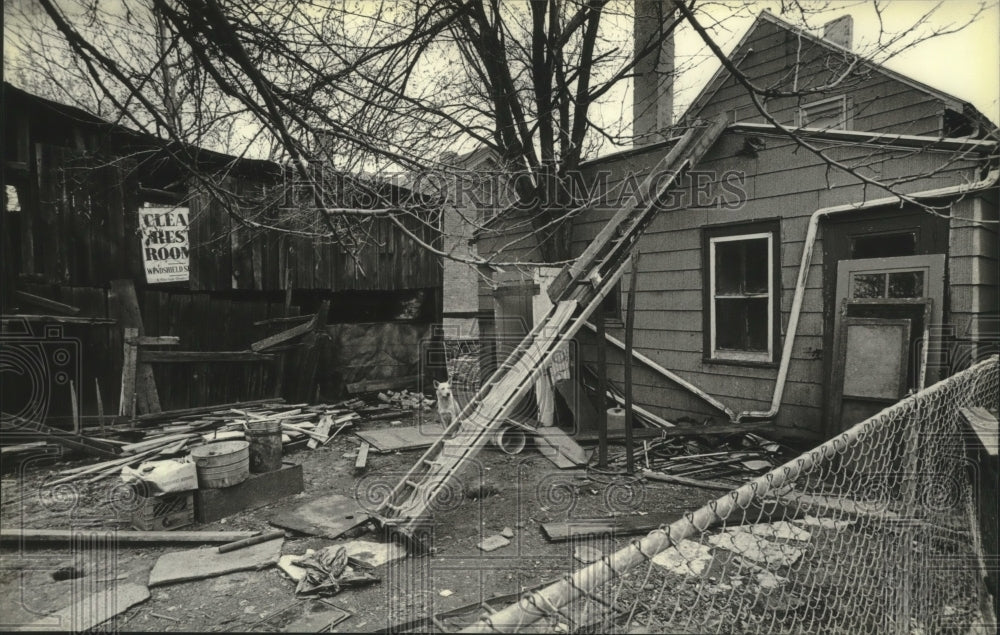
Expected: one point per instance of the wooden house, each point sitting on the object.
(79, 194)
(778, 285)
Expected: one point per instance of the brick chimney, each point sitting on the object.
(840, 31)
(653, 96)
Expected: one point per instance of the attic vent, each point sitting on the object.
(827, 114)
(840, 31)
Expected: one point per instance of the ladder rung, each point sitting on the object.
(412, 484)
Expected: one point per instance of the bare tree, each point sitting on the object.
(372, 90)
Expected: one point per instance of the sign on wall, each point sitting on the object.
(164, 243)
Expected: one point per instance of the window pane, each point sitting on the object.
(730, 324)
(755, 271)
(728, 267)
(884, 245)
(756, 324)
(909, 284)
(869, 285)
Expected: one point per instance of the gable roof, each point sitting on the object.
(742, 49)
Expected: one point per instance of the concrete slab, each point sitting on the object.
(195, 564)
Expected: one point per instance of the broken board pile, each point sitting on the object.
(170, 434)
(699, 452)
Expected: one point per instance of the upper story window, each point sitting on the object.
(827, 114)
(742, 292)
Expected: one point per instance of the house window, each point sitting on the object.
(742, 293)
(826, 114)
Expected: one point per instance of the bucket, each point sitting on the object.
(509, 440)
(616, 419)
(265, 445)
(222, 464)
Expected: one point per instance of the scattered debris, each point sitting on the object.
(724, 455)
(687, 558)
(492, 543)
(825, 523)
(587, 554)
(406, 400)
(446, 593)
(507, 532)
(66, 573)
(781, 530)
(756, 549)
(196, 564)
(374, 554)
(326, 570)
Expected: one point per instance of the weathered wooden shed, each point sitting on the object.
(75, 186)
(778, 285)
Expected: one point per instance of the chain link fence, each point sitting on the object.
(872, 531)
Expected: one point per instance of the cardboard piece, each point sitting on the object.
(93, 610)
(329, 516)
(195, 564)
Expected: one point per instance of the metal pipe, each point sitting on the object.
(669, 374)
(807, 252)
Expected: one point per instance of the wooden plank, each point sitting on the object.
(58, 319)
(284, 336)
(255, 492)
(93, 610)
(46, 303)
(362, 461)
(195, 564)
(17, 535)
(402, 438)
(126, 304)
(160, 340)
(622, 526)
(984, 424)
(392, 383)
(559, 448)
(174, 357)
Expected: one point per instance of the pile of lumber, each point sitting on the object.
(171, 434)
(722, 454)
(406, 399)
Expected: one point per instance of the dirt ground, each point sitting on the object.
(519, 492)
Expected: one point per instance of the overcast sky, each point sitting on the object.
(965, 64)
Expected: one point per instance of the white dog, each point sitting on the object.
(446, 403)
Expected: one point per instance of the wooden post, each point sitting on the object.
(629, 324)
(602, 391)
(131, 357)
(100, 403)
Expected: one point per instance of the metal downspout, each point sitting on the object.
(807, 252)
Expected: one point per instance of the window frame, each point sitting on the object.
(731, 232)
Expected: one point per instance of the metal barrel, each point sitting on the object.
(222, 464)
(265, 445)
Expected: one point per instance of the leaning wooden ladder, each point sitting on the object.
(576, 292)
